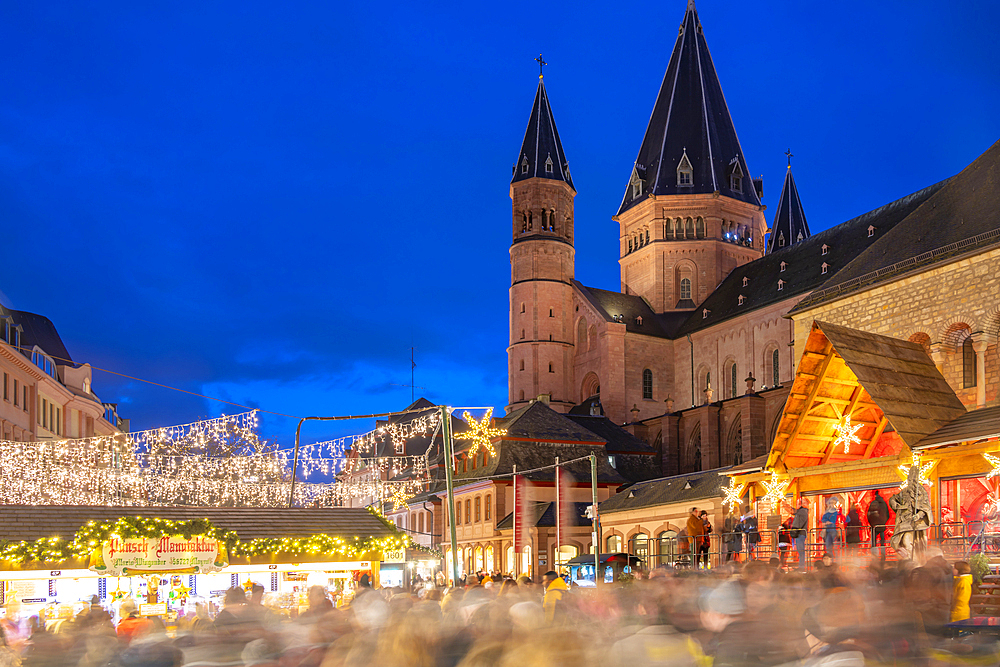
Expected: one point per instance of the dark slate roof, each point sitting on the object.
(39, 330)
(960, 217)
(544, 516)
(980, 424)
(541, 143)
(690, 117)
(789, 218)
(638, 467)
(803, 263)
(619, 441)
(32, 522)
(625, 308)
(537, 421)
(753, 465)
(667, 490)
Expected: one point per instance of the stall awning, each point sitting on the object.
(622, 558)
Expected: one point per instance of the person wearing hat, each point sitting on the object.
(131, 624)
(695, 533)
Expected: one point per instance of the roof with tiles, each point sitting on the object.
(617, 439)
(800, 267)
(690, 126)
(981, 424)
(667, 490)
(542, 154)
(633, 311)
(26, 522)
(789, 226)
(39, 330)
(544, 516)
(961, 216)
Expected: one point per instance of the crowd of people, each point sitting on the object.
(754, 613)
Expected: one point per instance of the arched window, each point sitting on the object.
(688, 228)
(524, 222)
(685, 288)
(488, 508)
(550, 368)
(581, 334)
(647, 383)
(640, 545)
(630, 244)
(775, 368)
(529, 221)
(468, 510)
(552, 220)
(479, 507)
(733, 381)
(700, 227)
(614, 544)
(647, 236)
(678, 231)
(968, 364)
(458, 513)
(545, 219)
(521, 395)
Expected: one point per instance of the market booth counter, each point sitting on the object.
(55, 559)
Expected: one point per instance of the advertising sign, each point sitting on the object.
(175, 554)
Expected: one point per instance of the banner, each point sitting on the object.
(567, 508)
(522, 522)
(127, 556)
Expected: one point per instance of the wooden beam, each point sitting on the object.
(833, 420)
(878, 434)
(824, 367)
(847, 412)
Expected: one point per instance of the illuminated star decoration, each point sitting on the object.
(775, 489)
(481, 433)
(922, 475)
(398, 497)
(846, 434)
(995, 462)
(734, 494)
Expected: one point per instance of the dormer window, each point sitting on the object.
(42, 360)
(638, 320)
(685, 173)
(871, 231)
(781, 239)
(86, 385)
(736, 178)
(826, 248)
(825, 267)
(741, 300)
(781, 285)
(524, 165)
(636, 188)
(704, 313)
(548, 165)
(745, 281)
(783, 265)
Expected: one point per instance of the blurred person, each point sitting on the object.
(319, 604)
(834, 629)
(962, 593)
(829, 521)
(553, 602)
(8, 656)
(706, 539)
(853, 528)
(695, 532)
(256, 609)
(878, 517)
(732, 539)
(748, 526)
(784, 540)
(799, 531)
(131, 624)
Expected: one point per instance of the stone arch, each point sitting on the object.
(581, 335)
(768, 377)
(686, 269)
(955, 331)
(991, 324)
(592, 344)
(732, 452)
(923, 339)
(728, 389)
(591, 386)
(701, 382)
(692, 453)
(699, 227)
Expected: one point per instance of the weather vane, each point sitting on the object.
(541, 64)
(788, 153)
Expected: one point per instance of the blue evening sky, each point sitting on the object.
(271, 202)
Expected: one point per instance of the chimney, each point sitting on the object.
(544, 398)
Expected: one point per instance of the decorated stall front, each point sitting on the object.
(858, 406)
(168, 559)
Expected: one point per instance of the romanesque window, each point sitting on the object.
(733, 381)
(458, 513)
(614, 544)
(552, 220)
(581, 334)
(688, 228)
(487, 509)
(630, 244)
(550, 313)
(700, 227)
(524, 222)
(647, 383)
(529, 221)
(775, 368)
(550, 368)
(968, 364)
(468, 511)
(685, 174)
(545, 220)
(522, 364)
(685, 288)
(734, 444)
(479, 505)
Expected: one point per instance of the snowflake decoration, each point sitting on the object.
(775, 489)
(995, 462)
(847, 434)
(734, 494)
(481, 433)
(398, 497)
(922, 475)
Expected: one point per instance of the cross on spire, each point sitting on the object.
(789, 155)
(541, 64)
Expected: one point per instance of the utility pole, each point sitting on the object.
(558, 516)
(449, 462)
(596, 519)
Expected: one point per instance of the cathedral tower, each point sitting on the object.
(540, 355)
(691, 213)
(789, 219)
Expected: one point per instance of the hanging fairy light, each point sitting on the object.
(924, 469)
(481, 433)
(734, 494)
(847, 434)
(775, 488)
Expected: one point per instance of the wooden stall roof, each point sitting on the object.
(27, 522)
(982, 424)
(883, 384)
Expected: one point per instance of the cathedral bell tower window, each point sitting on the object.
(685, 173)
(524, 166)
(736, 179)
(548, 165)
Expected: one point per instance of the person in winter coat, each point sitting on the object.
(829, 520)
(553, 602)
(800, 527)
(878, 516)
(706, 539)
(748, 525)
(695, 532)
(854, 527)
(962, 593)
(732, 538)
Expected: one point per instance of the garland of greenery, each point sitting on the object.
(93, 533)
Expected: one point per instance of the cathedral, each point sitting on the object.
(695, 353)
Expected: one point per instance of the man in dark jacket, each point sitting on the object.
(878, 516)
(799, 528)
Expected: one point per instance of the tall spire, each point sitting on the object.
(690, 117)
(790, 225)
(542, 154)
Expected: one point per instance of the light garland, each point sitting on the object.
(776, 488)
(923, 469)
(994, 461)
(734, 494)
(847, 434)
(481, 433)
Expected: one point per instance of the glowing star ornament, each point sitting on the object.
(847, 434)
(995, 462)
(481, 433)
(734, 494)
(398, 497)
(775, 488)
(904, 470)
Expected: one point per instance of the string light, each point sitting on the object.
(734, 494)
(923, 470)
(481, 433)
(847, 434)
(775, 488)
(994, 461)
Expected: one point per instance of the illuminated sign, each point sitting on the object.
(174, 554)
